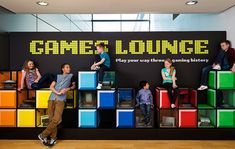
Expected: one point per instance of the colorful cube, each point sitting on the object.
(212, 80)
(87, 80)
(168, 118)
(42, 97)
(7, 118)
(226, 118)
(210, 100)
(229, 97)
(126, 97)
(87, 118)
(125, 118)
(106, 99)
(25, 117)
(7, 99)
(207, 118)
(188, 118)
(110, 76)
(222, 80)
(162, 98)
(225, 80)
(87, 99)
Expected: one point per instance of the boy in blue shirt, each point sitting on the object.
(59, 87)
(102, 63)
(144, 99)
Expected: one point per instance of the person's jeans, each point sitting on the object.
(44, 82)
(172, 96)
(55, 111)
(145, 111)
(205, 75)
(101, 70)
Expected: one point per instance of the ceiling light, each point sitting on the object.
(193, 2)
(42, 3)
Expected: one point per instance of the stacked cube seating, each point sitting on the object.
(125, 112)
(87, 80)
(223, 81)
(87, 118)
(106, 99)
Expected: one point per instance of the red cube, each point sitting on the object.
(188, 118)
(162, 99)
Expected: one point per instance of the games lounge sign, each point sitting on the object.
(120, 46)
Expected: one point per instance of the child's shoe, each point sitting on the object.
(99, 86)
(173, 106)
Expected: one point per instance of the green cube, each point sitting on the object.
(212, 79)
(229, 98)
(207, 113)
(225, 80)
(211, 97)
(110, 76)
(225, 118)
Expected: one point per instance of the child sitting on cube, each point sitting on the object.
(144, 99)
(101, 64)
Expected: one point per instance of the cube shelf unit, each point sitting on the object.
(27, 108)
(210, 114)
(116, 106)
(185, 113)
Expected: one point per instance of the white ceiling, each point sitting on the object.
(117, 6)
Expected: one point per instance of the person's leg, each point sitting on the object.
(148, 113)
(205, 75)
(143, 112)
(44, 82)
(169, 88)
(101, 72)
(59, 107)
(176, 94)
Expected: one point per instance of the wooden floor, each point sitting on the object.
(116, 144)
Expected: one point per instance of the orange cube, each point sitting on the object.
(7, 118)
(7, 99)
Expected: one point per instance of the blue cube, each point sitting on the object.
(87, 118)
(106, 99)
(125, 97)
(87, 80)
(125, 118)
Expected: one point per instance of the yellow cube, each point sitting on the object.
(42, 97)
(25, 118)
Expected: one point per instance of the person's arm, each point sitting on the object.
(164, 77)
(39, 76)
(151, 99)
(233, 68)
(173, 78)
(100, 62)
(52, 88)
(22, 81)
(137, 99)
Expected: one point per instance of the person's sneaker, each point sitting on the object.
(42, 139)
(99, 86)
(173, 106)
(51, 143)
(202, 87)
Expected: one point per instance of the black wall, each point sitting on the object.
(4, 52)
(128, 74)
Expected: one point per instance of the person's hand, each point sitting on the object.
(152, 106)
(174, 86)
(174, 78)
(63, 91)
(93, 67)
(36, 81)
(19, 89)
(213, 65)
(233, 68)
